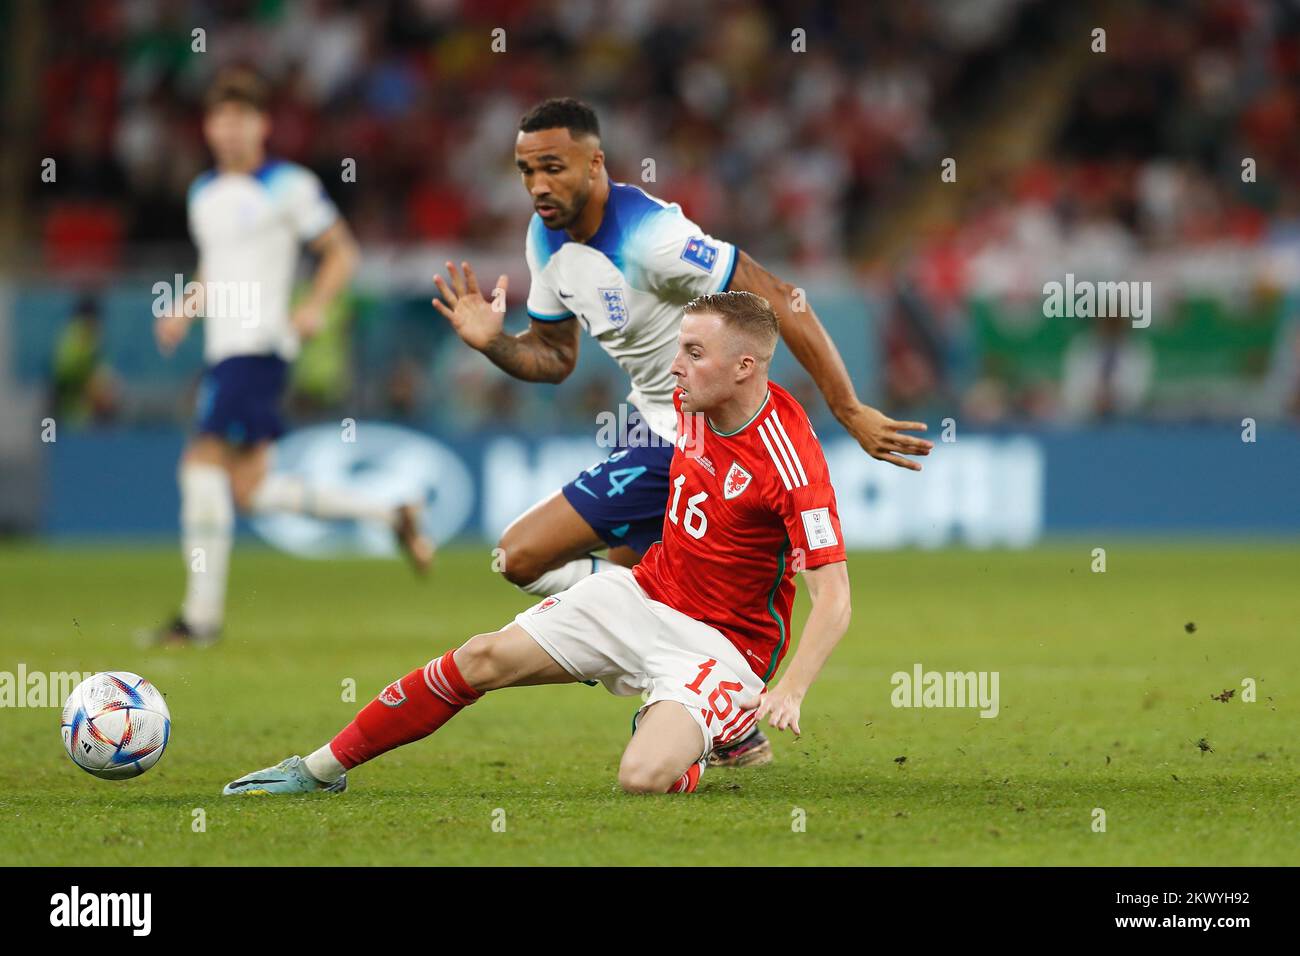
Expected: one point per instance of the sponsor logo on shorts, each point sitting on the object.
(737, 480)
(393, 695)
(817, 526)
(546, 605)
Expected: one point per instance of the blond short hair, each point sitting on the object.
(744, 312)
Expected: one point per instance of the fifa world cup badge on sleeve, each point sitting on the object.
(817, 525)
(700, 253)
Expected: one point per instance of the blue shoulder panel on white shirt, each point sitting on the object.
(277, 175)
(268, 169)
(626, 212)
(627, 209)
(544, 241)
(201, 180)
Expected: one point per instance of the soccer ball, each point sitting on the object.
(115, 725)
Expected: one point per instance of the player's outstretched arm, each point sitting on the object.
(828, 587)
(879, 435)
(544, 352)
(339, 255)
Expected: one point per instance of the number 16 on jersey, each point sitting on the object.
(695, 521)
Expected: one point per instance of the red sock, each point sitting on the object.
(688, 781)
(408, 710)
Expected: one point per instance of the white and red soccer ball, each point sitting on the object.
(115, 725)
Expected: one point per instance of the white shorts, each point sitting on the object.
(606, 629)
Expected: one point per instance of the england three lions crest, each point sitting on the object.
(737, 480)
(615, 306)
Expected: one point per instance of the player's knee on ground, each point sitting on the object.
(637, 774)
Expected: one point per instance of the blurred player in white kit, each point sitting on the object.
(249, 217)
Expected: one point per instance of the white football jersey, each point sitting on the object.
(627, 285)
(249, 229)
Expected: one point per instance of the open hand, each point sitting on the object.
(779, 706)
(475, 319)
(882, 437)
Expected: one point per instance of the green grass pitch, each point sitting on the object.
(1105, 702)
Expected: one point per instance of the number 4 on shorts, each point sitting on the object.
(620, 478)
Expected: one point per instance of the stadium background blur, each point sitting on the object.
(825, 165)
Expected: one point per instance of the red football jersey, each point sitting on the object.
(746, 510)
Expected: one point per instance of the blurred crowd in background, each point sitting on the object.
(807, 160)
(791, 155)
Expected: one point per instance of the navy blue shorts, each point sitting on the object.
(624, 497)
(239, 399)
